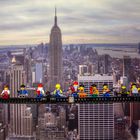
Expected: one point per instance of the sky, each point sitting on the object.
(81, 21)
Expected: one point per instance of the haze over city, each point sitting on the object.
(81, 21)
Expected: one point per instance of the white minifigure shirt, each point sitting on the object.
(8, 91)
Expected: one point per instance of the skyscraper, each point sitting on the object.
(96, 121)
(55, 55)
(39, 72)
(106, 63)
(127, 67)
(86, 69)
(20, 115)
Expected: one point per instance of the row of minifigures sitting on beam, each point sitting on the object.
(74, 90)
(106, 92)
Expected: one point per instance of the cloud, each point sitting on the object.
(96, 19)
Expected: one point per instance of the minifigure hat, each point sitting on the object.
(40, 85)
(6, 86)
(105, 85)
(94, 85)
(75, 83)
(81, 85)
(22, 86)
(133, 84)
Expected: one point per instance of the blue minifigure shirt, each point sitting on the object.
(23, 92)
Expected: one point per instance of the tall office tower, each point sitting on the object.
(101, 65)
(91, 69)
(47, 128)
(83, 69)
(106, 63)
(62, 115)
(39, 72)
(96, 121)
(55, 55)
(127, 67)
(20, 116)
(86, 69)
(27, 66)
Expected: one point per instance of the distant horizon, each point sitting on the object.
(98, 21)
(20, 46)
(73, 44)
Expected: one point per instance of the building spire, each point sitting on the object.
(55, 18)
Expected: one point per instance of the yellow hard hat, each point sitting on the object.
(57, 86)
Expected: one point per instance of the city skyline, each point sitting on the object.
(105, 21)
(82, 63)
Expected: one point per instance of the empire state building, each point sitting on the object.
(55, 56)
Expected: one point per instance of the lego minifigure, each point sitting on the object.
(22, 92)
(57, 92)
(106, 91)
(134, 90)
(94, 91)
(5, 93)
(40, 91)
(81, 92)
(74, 89)
(124, 92)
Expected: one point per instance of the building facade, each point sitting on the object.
(20, 115)
(96, 121)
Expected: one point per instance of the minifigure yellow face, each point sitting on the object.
(81, 88)
(75, 86)
(94, 88)
(57, 86)
(133, 86)
(22, 88)
(105, 87)
(5, 88)
(123, 87)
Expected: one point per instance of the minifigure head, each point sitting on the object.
(58, 86)
(6, 87)
(75, 85)
(81, 88)
(22, 87)
(123, 87)
(105, 86)
(94, 86)
(134, 86)
(40, 86)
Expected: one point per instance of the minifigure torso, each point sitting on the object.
(134, 90)
(23, 91)
(40, 91)
(106, 90)
(94, 90)
(6, 92)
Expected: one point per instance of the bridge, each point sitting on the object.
(69, 100)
